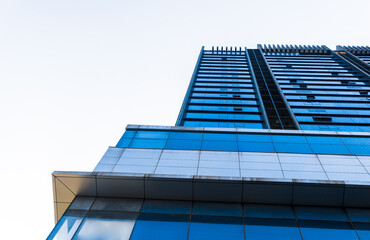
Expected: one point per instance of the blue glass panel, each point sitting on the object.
(124, 142)
(254, 138)
(358, 149)
(161, 227)
(329, 149)
(363, 230)
(67, 225)
(216, 228)
(268, 211)
(219, 145)
(161, 206)
(288, 139)
(320, 213)
(152, 134)
(256, 147)
(99, 225)
(359, 214)
(183, 144)
(186, 135)
(356, 140)
(292, 148)
(217, 209)
(325, 230)
(192, 124)
(325, 140)
(148, 143)
(129, 134)
(219, 136)
(126, 139)
(271, 229)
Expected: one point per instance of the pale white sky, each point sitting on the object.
(73, 73)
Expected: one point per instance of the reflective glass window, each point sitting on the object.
(320, 213)
(152, 134)
(67, 225)
(219, 136)
(329, 149)
(148, 143)
(256, 147)
(220, 145)
(161, 227)
(106, 226)
(292, 148)
(183, 144)
(217, 209)
(271, 229)
(254, 138)
(186, 135)
(216, 228)
(268, 211)
(326, 230)
(117, 204)
(162, 206)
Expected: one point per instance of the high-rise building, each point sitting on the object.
(270, 143)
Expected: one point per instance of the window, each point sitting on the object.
(322, 119)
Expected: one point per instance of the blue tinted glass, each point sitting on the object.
(217, 209)
(106, 226)
(161, 206)
(356, 140)
(288, 139)
(161, 227)
(186, 135)
(129, 134)
(325, 230)
(359, 214)
(219, 136)
(363, 230)
(183, 144)
(329, 149)
(216, 228)
(124, 142)
(325, 140)
(219, 145)
(320, 213)
(67, 225)
(152, 134)
(271, 229)
(256, 147)
(268, 211)
(147, 143)
(292, 148)
(358, 149)
(254, 138)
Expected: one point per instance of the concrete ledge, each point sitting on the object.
(67, 185)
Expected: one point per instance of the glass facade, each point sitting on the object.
(270, 143)
(246, 142)
(124, 219)
(283, 87)
(223, 92)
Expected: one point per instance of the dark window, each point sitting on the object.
(322, 119)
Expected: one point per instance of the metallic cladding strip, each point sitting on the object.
(264, 115)
(359, 70)
(185, 103)
(281, 93)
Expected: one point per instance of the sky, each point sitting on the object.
(74, 73)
